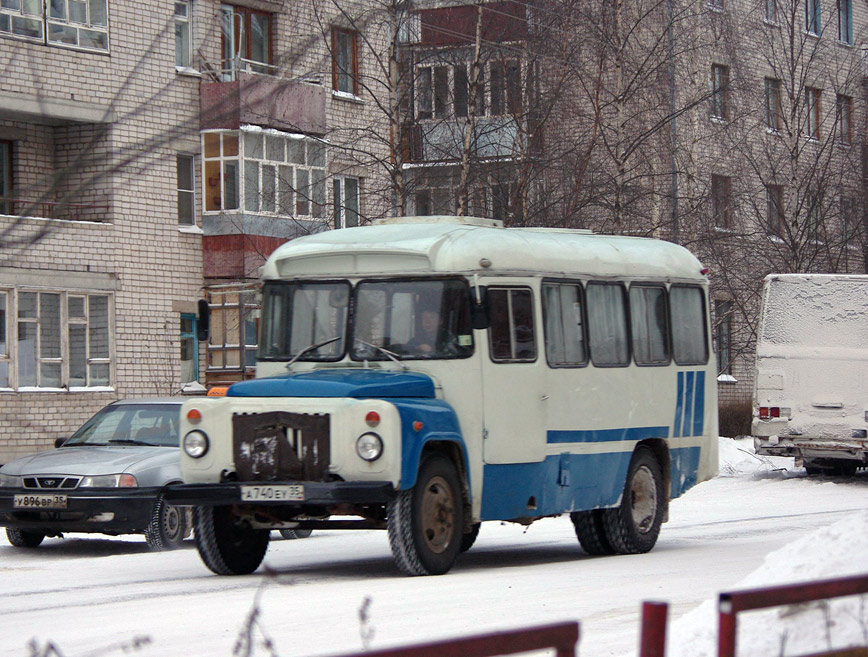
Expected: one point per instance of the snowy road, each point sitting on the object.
(88, 593)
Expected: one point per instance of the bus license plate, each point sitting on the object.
(287, 493)
(39, 501)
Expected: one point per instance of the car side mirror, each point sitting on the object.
(479, 307)
(59, 442)
(203, 321)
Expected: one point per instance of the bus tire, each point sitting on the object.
(226, 546)
(591, 531)
(23, 538)
(469, 538)
(424, 523)
(633, 527)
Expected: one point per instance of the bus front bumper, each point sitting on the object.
(281, 493)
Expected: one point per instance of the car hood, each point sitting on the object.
(359, 384)
(91, 460)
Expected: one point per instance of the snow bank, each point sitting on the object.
(837, 550)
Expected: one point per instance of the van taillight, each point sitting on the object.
(768, 412)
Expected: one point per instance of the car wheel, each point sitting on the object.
(168, 526)
(295, 533)
(633, 527)
(425, 522)
(591, 531)
(23, 538)
(226, 545)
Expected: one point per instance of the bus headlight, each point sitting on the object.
(196, 444)
(369, 446)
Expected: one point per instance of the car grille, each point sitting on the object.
(51, 482)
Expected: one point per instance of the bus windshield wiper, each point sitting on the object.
(391, 354)
(314, 346)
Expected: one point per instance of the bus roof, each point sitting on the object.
(434, 245)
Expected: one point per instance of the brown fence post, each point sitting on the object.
(725, 627)
(652, 642)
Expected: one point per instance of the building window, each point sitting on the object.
(346, 199)
(78, 23)
(221, 177)
(183, 31)
(813, 24)
(4, 341)
(245, 41)
(845, 21)
(773, 104)
(409, 24)
(812, 113)
(345, 64)
(22, 18)
(186, 190)
(5, 177)
(770, 10)
(716, 4)
(63, 340)
(189, 349)
(721, 201)
(719, 81)
(723, 336)
(851, 213)
(775, 210)
(234, 326)
(443, 91)
(505, 88)
(814, 216)
(283, 174)
(844, 118)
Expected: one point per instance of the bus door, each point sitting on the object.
(513, 379)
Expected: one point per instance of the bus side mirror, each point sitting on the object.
(479, 307)
(202, 323)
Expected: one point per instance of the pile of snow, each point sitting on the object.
(837, 550)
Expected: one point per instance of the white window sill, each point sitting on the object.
(718, 119)
(72, 389)
(193, 388)
(192, 230)
(725, 231)
(188, 71)
(347, 96)
(726, 378)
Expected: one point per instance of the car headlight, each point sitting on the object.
(196, 444)
(8, 481)
(109, 481)
(369, 446)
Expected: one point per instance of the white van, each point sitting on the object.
(811, 390)
(423, 375)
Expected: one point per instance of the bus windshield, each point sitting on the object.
(386, 320)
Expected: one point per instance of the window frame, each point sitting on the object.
(775, 216)
(625, 307)
(87, 25)
(6, 371)
(845, 21)
(723, 335)
(341, 208)
(667, 338)
(770, 11)
(186, 192)
(193, 337)
(844, 119)
(184, 23)
(673, 323)
(719, 95)
(240, 45)
(721, 201)
(774, 106)
(511, 325)
(811, 125)
(246, 307)
(339, 76)
(6, 187)
(546, 314)
(813, 18)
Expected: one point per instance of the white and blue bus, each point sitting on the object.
(424, 375)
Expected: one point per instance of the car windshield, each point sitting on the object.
(131, 424)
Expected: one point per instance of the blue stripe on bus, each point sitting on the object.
(687, 421)
(699, 404)
(570, 482)
(606, 435)
(676, 427)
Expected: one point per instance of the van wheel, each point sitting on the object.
(425, 522)
(633, 527)
(168, 526)
(591, 531)
(469, 538)
(23, 538)
(295, 533)
(227, 546)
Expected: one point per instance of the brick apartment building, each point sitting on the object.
(151, 155)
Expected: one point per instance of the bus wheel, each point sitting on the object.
(469, 538)
(591, 531)
(226, 546)
(633, 527)
(425, 522)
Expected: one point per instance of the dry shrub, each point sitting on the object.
(735, 418)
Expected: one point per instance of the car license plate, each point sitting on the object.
(39, 501)
(288, 493)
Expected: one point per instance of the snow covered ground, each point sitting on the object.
(760, 522)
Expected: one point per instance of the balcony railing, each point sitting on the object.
(227, 70)
(37, 207)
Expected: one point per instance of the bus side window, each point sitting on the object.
(511, 333)
(564, 324)
(689, 332)
(607, 325)
(648, 325)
